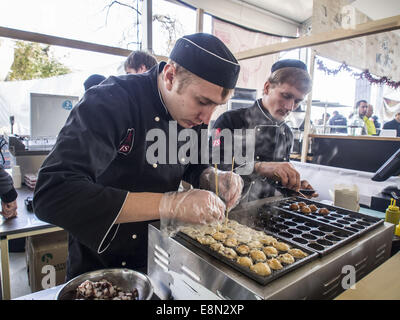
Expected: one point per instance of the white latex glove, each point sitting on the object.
(192, 206)
(230, 185)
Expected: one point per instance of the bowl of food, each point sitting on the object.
(107, 284)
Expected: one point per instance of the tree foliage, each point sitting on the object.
(33, 61)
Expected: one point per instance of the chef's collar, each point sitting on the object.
(162, 109)
(266, 115)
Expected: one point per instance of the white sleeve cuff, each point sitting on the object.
(99, 250)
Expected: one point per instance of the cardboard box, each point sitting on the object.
(46, 256)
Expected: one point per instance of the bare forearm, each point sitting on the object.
(140, 207)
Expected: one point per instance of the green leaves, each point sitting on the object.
(32, 61)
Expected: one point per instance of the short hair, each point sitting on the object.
(335, 112)
(138, 58)
(296, 77)
(360, 101)
(186, 77)
(93, 80)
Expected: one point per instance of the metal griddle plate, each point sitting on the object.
(354, 222)
(314, 235)
(263, 280)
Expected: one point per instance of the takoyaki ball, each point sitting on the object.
(243, 249)
(286, 258)
(267, 240)
(217, 246)
(229, 253)
(270, 251)
(257, 255)
(255, 244)
(297, 253)
(274, 264)
(220, 236)
(206, 240)
(313, 208)
(231, 242)
(228, 231)
(301, 204)
(323, 211)
(294, 207)
(281, 246)
(244, 261)
(305, 210)
(261, 268)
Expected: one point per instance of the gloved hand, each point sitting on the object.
(192, 206)
(230, 185)
(9, 210)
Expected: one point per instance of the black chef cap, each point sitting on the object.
(288, 63)
(207, 57)
(93, 80)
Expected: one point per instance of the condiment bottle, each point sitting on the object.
(397, 230)
(392, 213)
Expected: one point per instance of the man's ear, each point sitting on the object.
(142, 69)
(267, 86)
(169, 76)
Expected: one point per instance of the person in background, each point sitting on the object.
(325, 119)
(93, 80)
(283, 92)
(359, 114)
(139, 62)
(338, 120)
(8, 195)
(369, 123)
(373, 118)
(394, 124)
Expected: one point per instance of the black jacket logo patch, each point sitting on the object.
(126, 144)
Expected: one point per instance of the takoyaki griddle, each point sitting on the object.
(263, 280)
(347, 220)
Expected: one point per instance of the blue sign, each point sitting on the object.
(67, 105)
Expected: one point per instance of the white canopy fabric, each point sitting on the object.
(15, 95)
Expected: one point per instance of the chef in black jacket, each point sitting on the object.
(98, 182)
(272, 141)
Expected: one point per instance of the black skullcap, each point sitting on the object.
(93, 80)
(207, 57)
(288, 63)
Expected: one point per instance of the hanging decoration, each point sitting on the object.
(361, 75)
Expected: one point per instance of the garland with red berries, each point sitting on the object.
(362, 75)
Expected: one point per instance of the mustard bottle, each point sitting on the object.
(392, 213)
(397, 230)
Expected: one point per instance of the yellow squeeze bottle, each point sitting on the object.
(392, 213)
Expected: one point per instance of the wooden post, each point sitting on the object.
(199, 20)
(307, 124)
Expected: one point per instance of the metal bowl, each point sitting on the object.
(127, 279)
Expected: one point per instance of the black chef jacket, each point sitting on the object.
(273, 142)
(100, 155)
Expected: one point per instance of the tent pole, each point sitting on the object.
(307, 124)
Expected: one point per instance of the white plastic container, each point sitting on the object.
(16, 176)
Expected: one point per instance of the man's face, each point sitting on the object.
(141, 69)
(397, 117)
(194, 103)
(362, 109)
(281, 99)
